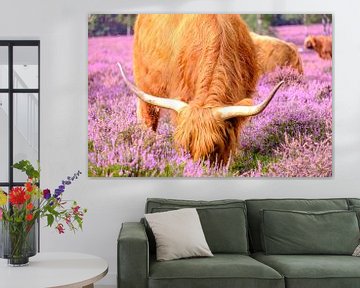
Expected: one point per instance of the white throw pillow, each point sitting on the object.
(357, 251)
(178, 234)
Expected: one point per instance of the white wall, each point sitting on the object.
(62, 28)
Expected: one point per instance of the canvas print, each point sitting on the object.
(199, 95)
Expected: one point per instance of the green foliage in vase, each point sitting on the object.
(24, 205)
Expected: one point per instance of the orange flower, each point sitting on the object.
(29, 187)
(27, 196)
(29, 206)
(29, 217)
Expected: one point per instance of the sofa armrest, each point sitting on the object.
(133, 256)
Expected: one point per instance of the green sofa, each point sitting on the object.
(233, 230)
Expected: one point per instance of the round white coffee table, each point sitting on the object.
(70, 270)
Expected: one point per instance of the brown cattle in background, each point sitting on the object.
(203, 67)
(273, 52)
(321, 44)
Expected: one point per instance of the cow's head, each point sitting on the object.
(310, 42)
(206, 132)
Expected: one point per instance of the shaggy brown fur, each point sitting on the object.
(273, 52)
(204, 60)
(321, 44)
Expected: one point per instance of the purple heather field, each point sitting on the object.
(291, 138)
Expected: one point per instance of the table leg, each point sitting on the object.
(89, 286)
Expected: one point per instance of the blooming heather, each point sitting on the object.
(299, 157)
(299, 119)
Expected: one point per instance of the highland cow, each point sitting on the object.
(273, 53)
(321, 44)
(203, 67)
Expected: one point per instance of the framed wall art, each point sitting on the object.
(210, 95)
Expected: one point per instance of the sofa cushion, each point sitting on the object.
(222, 270)
(254, 217)
(223, 221)
(354, 205)
(314, 271)
(356, 209)
(353, 201)
(297, 232)
(178, 234)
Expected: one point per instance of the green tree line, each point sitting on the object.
(123, 24)
(111, 24)
(262, 22)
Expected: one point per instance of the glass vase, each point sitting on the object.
(18, 242)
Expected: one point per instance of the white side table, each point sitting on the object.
(60, 270)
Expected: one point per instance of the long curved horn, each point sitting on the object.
(236, 111)
(172, 104)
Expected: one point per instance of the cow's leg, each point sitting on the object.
(147, 114)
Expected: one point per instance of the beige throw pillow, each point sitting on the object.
(178, 234)
(357, 251)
